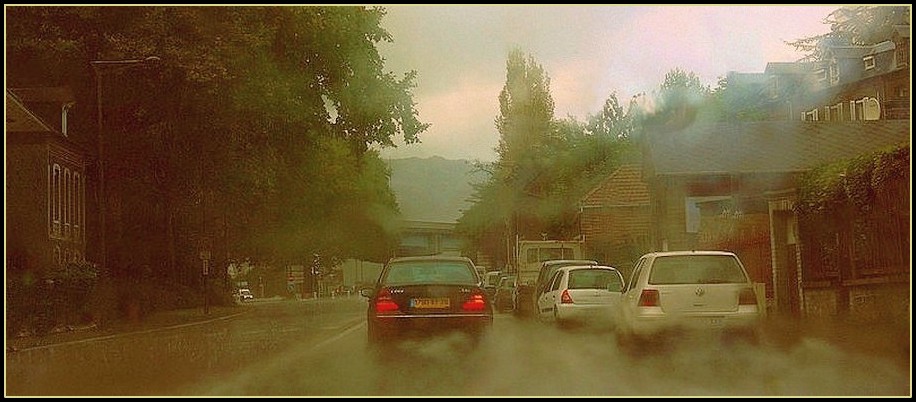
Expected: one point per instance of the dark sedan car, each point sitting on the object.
(423, 295)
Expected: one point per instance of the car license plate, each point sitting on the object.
(442, 302)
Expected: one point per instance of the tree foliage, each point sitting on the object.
(544, 166)
(680, 100)
(252, 137)
(853, 25)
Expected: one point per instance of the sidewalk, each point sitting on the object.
(879, 339)
(156, 321)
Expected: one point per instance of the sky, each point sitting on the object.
(587, 51)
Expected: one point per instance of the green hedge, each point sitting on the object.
(840, 215)
(852, 183)
(60, 298)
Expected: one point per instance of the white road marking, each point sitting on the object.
(148, 331)
(334, 338)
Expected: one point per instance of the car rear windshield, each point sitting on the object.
(684, 269)
(594, 279)
(423, 272)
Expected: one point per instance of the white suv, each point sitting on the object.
(688, 290)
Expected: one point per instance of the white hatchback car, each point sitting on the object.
(688, 289)
(581, 293)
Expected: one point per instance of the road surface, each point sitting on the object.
(319, 348)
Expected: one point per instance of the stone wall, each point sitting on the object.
(867, 302)
(880, 302)
(821, 302)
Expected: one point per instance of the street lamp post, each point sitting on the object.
(100, 66)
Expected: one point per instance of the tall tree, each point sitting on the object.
(544, 165)
(677, 102)
(854, 25)
(252, 135)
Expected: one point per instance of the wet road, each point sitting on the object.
(312, 348)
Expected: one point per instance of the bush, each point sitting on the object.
(39, 304)
(70, 289)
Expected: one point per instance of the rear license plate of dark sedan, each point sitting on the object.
(442, 302)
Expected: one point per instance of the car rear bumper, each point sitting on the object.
(585, 312)
(659, 323)
(426, 323)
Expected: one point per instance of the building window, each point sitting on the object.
(82, 192)
(821, 75)
(50, 200)
(834, 113)
(869, 62)
(77, 207)
(55, 200)
(902, 55)
(866, 108)
(903, 92)
(774, 86)
(810, 115)
(872, 108)
(65, 200)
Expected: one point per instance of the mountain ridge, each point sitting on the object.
(433, 188)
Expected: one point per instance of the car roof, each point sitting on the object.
(554, 262)
(431, 258)
(575, 267)
(689, 252)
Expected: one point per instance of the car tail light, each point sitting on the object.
(648, 298)
(747, 296)
(565, 298)
(476, 302)
(384, 303)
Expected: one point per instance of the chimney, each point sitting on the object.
(63, 116)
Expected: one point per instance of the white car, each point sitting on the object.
(245, 295)
(688, 290)
(581, 293)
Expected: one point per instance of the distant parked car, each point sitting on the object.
(505, 293)
(581, 294)
(674, 291)
(245, 295)
(423, 295)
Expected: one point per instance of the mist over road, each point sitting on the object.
(314, 348)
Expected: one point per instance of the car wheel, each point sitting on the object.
(560, 323)
(477, 334)
(625, 338)
(373, 335)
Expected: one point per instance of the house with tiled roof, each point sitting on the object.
(614, 218)
(732, 186)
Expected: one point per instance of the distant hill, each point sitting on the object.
(433, 189)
